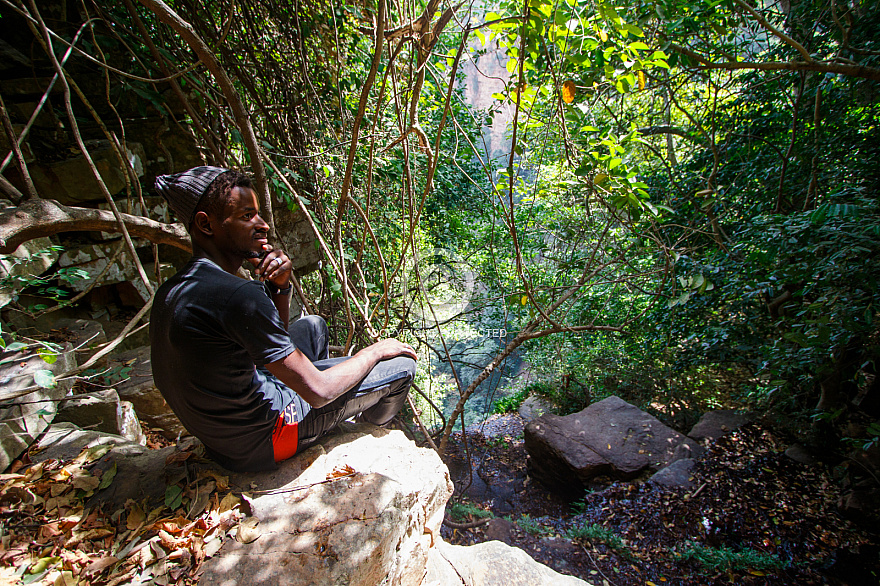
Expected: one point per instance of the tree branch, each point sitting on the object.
(44, 217)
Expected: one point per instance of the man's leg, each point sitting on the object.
(312, 336)
(377, 399)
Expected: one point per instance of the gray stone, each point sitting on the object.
(676, 475)
(155, 207)
(72, 181)
(610, 437)
(533, 407)
(714, 424)
(490, 564)
(299, 241)
(129, 424)
(33, 257)
(802, 454)
(499, 529)
(12, 58)
(139, 388)
(84, 335)
(141, 473)
(26, 417)
(94, 259)
(102, 411)
(375, 527)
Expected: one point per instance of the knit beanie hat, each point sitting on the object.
(183, 191)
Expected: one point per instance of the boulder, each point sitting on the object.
(102, 411)
(380, 525)
(137, 386)
(610, 437)
(374, 527)
(23, 419)
(676, 475)
(533, 407)
(93, 260)
(141, 473)
(490, 564)
(714, 424)
(33, 257)
(84, 335)
(72, 182)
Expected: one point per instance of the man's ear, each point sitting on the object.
(202, 223)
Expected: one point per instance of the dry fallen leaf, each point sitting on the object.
(341, 472)
(247, 531)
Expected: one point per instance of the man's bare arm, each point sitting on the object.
(319, 387)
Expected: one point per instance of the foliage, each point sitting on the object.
(597, 533)
(18, 278)
(460, 511)
(530, 526)
(725, 559)
(510, 403)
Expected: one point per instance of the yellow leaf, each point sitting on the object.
(641, 80)
(568, 91)
(524, 300)
(604, 36)
(600, 178)
(136, 518)
(229, 502)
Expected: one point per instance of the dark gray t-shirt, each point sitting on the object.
(208, 331)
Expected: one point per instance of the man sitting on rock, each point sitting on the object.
(253, 392)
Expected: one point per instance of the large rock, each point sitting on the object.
(102, 411)
(26, 417)
(93, 260)
(33, 257)
(374, 527)
(610, 437)
(379, 526)
(490, 564)
(72, 180)
(714, 424)
(136, 368)
(141, 473)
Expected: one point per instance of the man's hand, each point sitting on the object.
(389, 348)
(274, 267)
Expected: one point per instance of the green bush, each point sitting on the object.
(510, 403)
(724, 559)
(595, 532)
(462, 511)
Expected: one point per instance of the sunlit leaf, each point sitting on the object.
(568, 91)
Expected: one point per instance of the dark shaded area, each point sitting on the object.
(748, 497)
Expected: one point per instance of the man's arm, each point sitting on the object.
(319, 387)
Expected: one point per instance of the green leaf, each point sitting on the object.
(44, 378)
(15, 346)
(48, 356)
(173, 496)
(107, 477)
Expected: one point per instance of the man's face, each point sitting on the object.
(242, 231)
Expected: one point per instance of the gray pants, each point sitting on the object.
(376, 399)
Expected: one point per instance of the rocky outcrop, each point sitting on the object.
(24, 418)
(137, 386)
(490, 564)
(714, 424)
(373, 527)
(362, 507)
(610, 437)
(102, 411)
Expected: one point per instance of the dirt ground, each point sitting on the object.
(753, 517)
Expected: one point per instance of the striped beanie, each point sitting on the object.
(183, 191)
